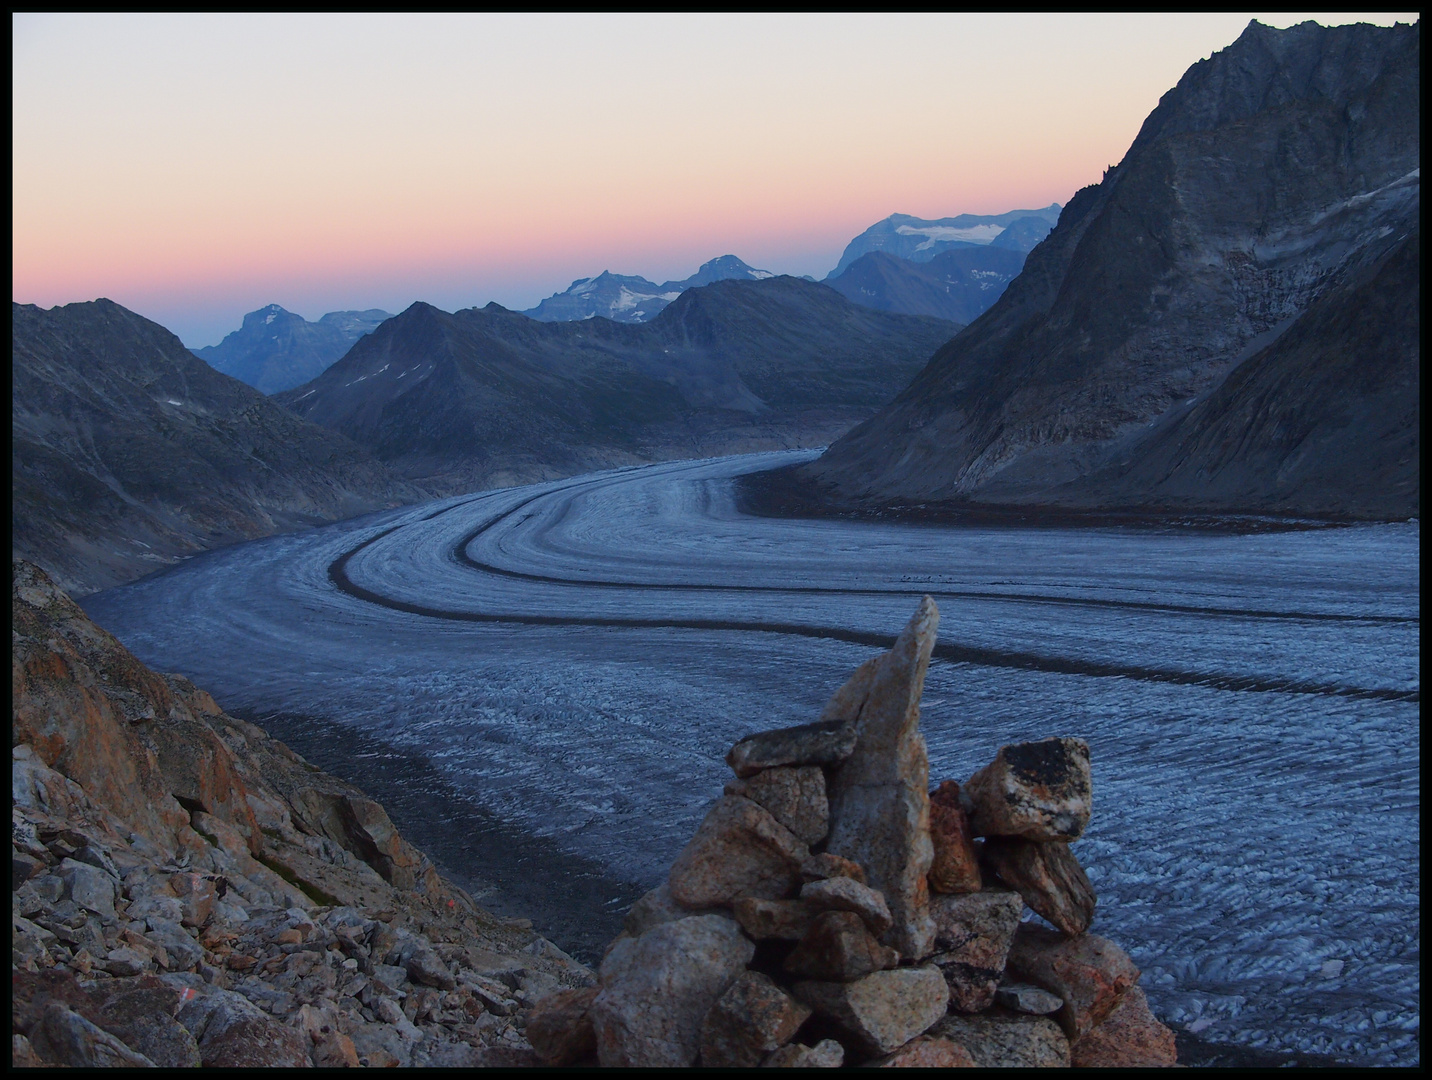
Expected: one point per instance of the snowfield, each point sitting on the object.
(576, 657)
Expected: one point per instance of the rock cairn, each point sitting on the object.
(832, 910)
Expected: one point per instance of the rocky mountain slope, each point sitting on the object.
(1174, 342)
(486, 397)
(128, 453)
(921, 239)
(276, 349)
(959, 284)
(634, 299)
(187, 890)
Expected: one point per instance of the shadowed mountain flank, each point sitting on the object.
(1195, 332)
(959, 284)
(275, 349)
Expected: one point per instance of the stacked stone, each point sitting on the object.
(830, 910)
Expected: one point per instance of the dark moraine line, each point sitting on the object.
(955, 654)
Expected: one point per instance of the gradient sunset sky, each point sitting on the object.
(193, 168)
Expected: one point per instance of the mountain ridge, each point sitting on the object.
(274, 349)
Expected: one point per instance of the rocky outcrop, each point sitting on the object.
(188, 891)
(1228, 322)
(749, 956)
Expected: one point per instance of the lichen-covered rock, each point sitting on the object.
(826, 1054)
(926, 1052)
(956, 867)
(739, 850)
(750, 1020)
(657, 989)
(559, 1027)
(824, 742)
(233, 1033)
(1049, 878)
(884, 1010)
(64, 1037)
(1007, 1042)
(847, 894)
(774, 920)
(1130, 1037)
(795, 796)
(1089, 972)
(1037, 790)
(879, 797)
(825, 865)
(973, 935)
(839, 946)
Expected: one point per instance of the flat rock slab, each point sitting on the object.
(1049, 878)
(847, 894)
(657, 989)
(926, 1052)
(1037, 790)
(795, 796)
(1129, 1038)
(1089, 972)
(1024, 998)
(739, 850)
(838, 946)
(884, 1010)
(879, 797)
(774, 920)
(956, 866)
(1007, 1042)
(826, 742)
(750, 1020)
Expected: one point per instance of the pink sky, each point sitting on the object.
(195, 168)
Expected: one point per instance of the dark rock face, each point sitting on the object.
(1150, 353)
(128, 453)
(486, 397)
(960, 284)
(275, 349)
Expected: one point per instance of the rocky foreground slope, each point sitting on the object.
(1197, 331)
(188, 891)
(128, 453)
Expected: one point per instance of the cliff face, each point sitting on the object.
(129, 453)
(1266, 179)
(260, 911)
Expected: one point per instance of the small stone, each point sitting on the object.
(926, 1052)
(822, 743)
(125, 961)
(196, 897)
(560, 1029)
(778, 920)
(839, 947)
(739, 850)
(974, 932)
(426, 968)
(1037, 790)
(1007, 1042)
(847, 894)
(1049, 878)
(88, 886)
(956, 868)
(1089, 972)
(884, 1010)
(657, 989)
(795, 796)
(23, 867)
(825, 865)
(1129, 1038)
(1024, 998)
(826, 1054)
(751, 1019)
(336, 1051)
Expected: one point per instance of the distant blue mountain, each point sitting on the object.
(276, 350)
(634, 299)
(921, 239)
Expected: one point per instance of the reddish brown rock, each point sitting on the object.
(1049, 878)
(883, 1011)
(335, 1051)
(1089, 972)
(847, 894)
(825, 865)
(879, 797)
(956, 867)
(196, 895)
(739, 850)
(926, 1052)
(795, 796)
(1037, 790)
(1129, 1038)
(751, 1019)
(560, 1029)
(778, 920)
(973, 934)
(839, 947)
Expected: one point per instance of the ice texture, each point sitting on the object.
(576, 657)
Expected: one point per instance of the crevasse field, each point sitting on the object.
(573, 659)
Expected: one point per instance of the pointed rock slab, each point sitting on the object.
(840, 948)
(847, 894)
(1089, 972)
(883, 1011)
(795, 796)
(1037, 790)
(739, 850)
(956, 868)
(657, 989)
(974, 933)
(1129, 1038)
(1007, 1042)
(926, 1053)
(826, 1054)
(1049, 878)
(774, 920)
(879, 798)
(751, 1019)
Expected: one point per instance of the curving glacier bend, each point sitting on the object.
(574, 658)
